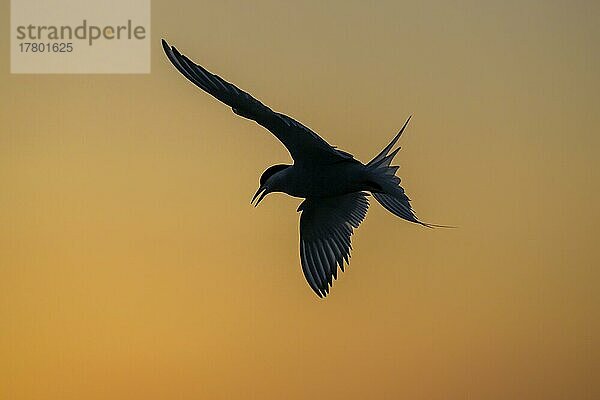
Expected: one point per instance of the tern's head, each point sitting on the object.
(270, 181)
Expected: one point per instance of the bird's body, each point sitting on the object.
(322, 180)
(333, 183)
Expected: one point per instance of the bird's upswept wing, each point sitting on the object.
(326, 225)
(302, 143)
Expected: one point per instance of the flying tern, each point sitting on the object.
(333, 184)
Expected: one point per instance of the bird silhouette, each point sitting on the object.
(333, 184)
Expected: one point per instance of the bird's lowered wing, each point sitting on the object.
(326, 225)
(302, 143)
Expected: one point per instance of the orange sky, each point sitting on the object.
(132, 265)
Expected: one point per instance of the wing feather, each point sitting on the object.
(302, 143)
(308, 272)
(326, 226)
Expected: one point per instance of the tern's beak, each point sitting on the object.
(264, 191)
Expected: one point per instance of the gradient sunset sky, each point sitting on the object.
(132, 265)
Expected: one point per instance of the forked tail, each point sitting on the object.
(392, 195)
